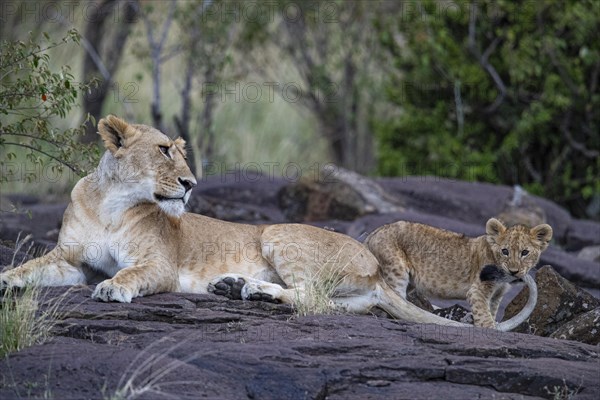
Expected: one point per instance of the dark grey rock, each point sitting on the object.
(41, 220)
(361, 227)
(222, 348)
(470, 202)
(456, 313)
(580, 271)
(583, 328)
(590, 253)
(582, 233)
(559, 301)
(7, 256)
(335, 193)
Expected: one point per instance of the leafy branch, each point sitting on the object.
(32, 96)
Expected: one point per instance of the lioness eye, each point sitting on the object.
(165, 150)
(524, 253)
(505, 252)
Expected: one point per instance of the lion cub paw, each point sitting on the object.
(110, 291)
(229, 286)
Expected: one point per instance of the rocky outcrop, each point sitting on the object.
(590, 253)
(559, 302)
(584, 328)
(194, 346)
(581, 234)
(8, 256)
(204, 346)
(456, 313)
(469, 202)
(335, 193)
(522, 210)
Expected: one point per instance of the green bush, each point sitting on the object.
(32, 94)
(498, 91)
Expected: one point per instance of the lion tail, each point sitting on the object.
(400, 308)
(526, 311)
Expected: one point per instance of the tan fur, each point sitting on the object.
(447, 265)
(127, 220)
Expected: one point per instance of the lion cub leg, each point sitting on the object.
(49, 270)
(501, 290)
(395, 268)
(480, 297)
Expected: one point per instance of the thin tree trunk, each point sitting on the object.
(103, 66)
(183, 123)
(206, 135)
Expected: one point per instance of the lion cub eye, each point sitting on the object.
(524, 253)
(165, 150)
(505, 252)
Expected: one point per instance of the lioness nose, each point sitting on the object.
(187, 183)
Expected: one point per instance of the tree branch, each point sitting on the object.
(580, 147)
(483, 60)
(70, 166)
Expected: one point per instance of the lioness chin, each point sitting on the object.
(127, 220)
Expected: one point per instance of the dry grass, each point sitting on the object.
(27, 317)
(148, 373)
(320, 286)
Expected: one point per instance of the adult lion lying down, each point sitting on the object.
(127, 220)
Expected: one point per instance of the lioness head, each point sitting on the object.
(147, 165)
(517, 249)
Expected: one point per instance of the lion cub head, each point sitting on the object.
(145, 165)
(517, 249)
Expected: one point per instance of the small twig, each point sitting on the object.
(537, 177)
(564, 128)
(32, 137)
(70, 166)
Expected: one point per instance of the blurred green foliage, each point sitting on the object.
(497, 91)
(31, 95)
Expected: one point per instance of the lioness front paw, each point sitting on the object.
(229, 286)
(8, 280)
(110, 291)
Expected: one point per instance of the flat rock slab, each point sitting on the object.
(204, 346)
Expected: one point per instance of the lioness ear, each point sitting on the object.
(180, 143)
(113, 131)
(494, 227)
(542, 233)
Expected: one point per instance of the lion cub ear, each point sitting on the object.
(543, 234)
(494, 227)
(113, 131)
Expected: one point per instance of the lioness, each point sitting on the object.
(127, 220)
(449, 265)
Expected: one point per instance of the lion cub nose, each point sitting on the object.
(187, 183)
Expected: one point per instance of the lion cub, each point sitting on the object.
(449, 265)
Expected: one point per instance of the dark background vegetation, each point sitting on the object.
(496, 91)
